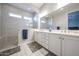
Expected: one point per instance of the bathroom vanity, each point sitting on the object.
(62, 43)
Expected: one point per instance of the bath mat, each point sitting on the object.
(10, 51)
(34, 46)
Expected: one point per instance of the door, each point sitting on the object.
(10, 32)
(35, 36)
(70, 46)
(55, 44)
(38, 37)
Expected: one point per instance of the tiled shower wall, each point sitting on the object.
(0, 29)
(11, 25)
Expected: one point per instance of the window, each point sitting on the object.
(15, 15)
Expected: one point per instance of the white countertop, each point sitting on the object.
(62, 32)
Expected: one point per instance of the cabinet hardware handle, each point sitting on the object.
(61, 38)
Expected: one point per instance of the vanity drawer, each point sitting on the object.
(70, 37)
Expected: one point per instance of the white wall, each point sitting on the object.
(61, 18)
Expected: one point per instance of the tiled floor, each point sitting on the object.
(32, 49)
(10, 51)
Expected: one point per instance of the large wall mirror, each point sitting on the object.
(64, 18)
(46, 23)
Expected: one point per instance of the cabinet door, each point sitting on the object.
(42, 38)
(39, 37)
(55, 44)
(45, 41)
(35, 36)
(70, 47)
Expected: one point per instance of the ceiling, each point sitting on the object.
(30, 7)
(71, 7)
(37, 5)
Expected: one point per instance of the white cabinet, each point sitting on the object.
(42, 38)
(45, 40)
(35, 36)
(70, 46)
(55, 44)
(59, 44)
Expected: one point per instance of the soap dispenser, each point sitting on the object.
(50, 27)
